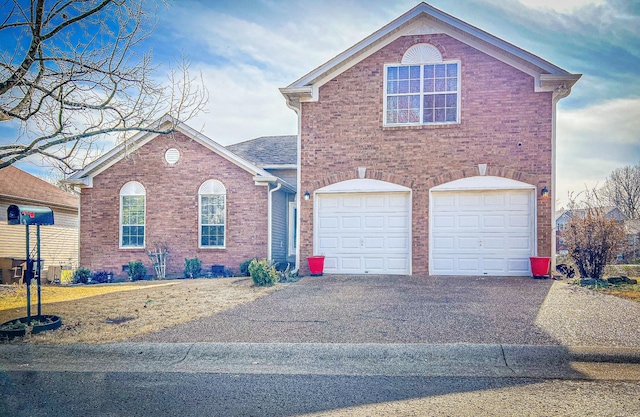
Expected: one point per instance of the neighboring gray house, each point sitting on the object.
(278, 156)
(563, 217)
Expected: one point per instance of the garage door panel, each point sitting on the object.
(398, 222)
(328, 222)
(494, 243)
(444, 222)
(468, 221)
(444, 243)
(349, 243)
(374, 242)
(522, 243)
(493, 221)
(467, 243)
(374, 222)
(350, 222)
(520, 265)
(494, 199)
(328, 243)
(468, 264)
(396, 244)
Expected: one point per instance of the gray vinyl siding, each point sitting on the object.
(289, 175)
(279, 227)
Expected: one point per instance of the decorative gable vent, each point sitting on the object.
(172, 155)
(421, 53)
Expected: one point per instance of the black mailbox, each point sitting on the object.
(29, 215)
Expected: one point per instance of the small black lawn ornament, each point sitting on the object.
(38, 216)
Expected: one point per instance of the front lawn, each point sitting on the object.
(116, 312)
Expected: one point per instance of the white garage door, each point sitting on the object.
(364, 233)
(481, 232)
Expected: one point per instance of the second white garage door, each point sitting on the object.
(481, 232)
(364, 233)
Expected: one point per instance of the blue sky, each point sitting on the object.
(246, 50)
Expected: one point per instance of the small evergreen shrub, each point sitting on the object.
(244, 268)
(81, 276)
(137, 271)
(192, 267)
(100, 277)
(263, 273)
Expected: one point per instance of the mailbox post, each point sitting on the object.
(38, 216)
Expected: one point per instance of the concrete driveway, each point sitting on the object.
(381, 309)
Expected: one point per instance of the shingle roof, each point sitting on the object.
(15, 183)
(268, 151)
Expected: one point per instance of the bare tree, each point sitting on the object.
(592, 239)
(76, 71)
(622, 190)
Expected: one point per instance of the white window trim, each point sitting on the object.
(132, 189)
(209, 188)
(421, 65)
(293, 206)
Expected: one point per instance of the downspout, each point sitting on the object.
(559, 93)
(269, 221)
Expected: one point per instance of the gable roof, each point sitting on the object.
(426, 19)
(84, 178)
(269, 151)
(16, 184)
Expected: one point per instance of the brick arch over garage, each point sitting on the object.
(353, 174)
(508, 173)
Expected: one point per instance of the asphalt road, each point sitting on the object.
(203, 379)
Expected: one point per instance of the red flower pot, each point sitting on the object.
(316, 264)
(540, 266)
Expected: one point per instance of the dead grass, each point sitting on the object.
(630, 292)
(116, 312)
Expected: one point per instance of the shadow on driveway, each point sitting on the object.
(380, 309)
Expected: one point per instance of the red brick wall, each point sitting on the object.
(172, 208)
(499, 109)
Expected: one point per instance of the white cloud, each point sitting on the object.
(561, 6)
(243, 104)
(593, 141)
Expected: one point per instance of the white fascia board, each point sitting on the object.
(283, 166)
(445, 23)
(116, 154)
(483, 183)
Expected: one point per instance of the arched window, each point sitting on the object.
(132, 215)
(212, 201)
(423, 89)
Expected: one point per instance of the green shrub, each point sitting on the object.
(244, 268)
(192, 267)
(100, 277)
(81, 276)
(263, 273)
(137, 271)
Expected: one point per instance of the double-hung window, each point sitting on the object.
(212, 200)
(132, 215)
(421, 93)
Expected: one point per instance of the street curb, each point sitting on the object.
(452, 360)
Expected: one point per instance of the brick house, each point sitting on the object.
(428, 148)
(188, 192)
